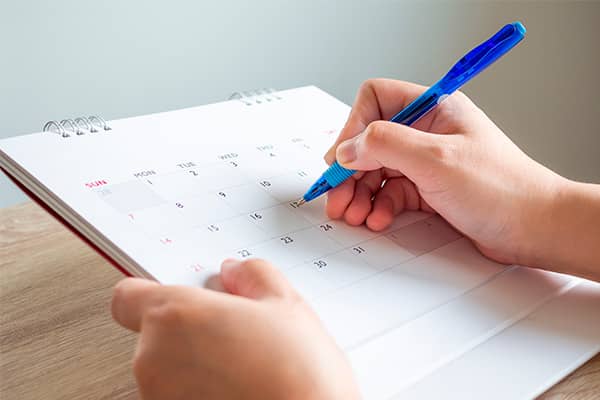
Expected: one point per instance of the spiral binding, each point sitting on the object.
(257, 96)
(92, 124)
(78, 126)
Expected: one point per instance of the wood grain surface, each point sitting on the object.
(57, 338)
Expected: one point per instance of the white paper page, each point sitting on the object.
(544, 347)
(178, 192)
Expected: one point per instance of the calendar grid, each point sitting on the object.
(243, 205)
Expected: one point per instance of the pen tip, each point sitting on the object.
(300, 201)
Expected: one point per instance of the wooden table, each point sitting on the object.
(57, 338)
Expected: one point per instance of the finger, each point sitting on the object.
(254, 279)
(412, 198)
(339, 198)
(418, 155)
(134, 297)
(361, 204)
(131, 297)
(388, 203)
(425, 206)
(377, 99)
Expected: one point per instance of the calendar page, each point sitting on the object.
(170, 195)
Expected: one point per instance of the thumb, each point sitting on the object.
(254, 279)
(395, 146)
(131, 298)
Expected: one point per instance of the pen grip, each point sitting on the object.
(336, 174)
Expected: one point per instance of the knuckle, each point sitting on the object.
(462, 96)
(370, 87)
(376, 135)
(368, 84)
(462, 102)
(444, 153)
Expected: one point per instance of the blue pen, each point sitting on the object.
(464, 70)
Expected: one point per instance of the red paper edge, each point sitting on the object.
(66, 224)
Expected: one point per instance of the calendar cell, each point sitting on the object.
(278, 220)
(406, 218)
(190, 273)
(342, 268)
(424, 236)
(175, 185)
(240, 233)
(323, 139)
(313, 243)
(286, 188)
(345, 234)
(382, 253)
(263, 164)
(314, 211)
(247, 198)
(129, 196)
(304, 155)
(162, 222)
(199, 210)
(193, 252)
(218, 175)
(277, 252)
(308, 282)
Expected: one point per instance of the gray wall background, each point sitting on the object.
(66, 58)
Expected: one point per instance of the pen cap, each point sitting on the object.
(483, 55)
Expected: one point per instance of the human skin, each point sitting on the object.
(455, 161)
(256, 340)
(259, 339)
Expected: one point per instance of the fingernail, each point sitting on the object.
(229, 263)
(346, 151)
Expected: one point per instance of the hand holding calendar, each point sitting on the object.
(286, 352)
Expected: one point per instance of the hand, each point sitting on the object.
(259, 341)
(453, 161)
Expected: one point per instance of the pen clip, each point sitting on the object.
(483, 55)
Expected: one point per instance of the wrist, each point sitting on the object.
(541, 209)
(546, 213)
(566, 237)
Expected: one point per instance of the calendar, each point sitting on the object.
(417, 309)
